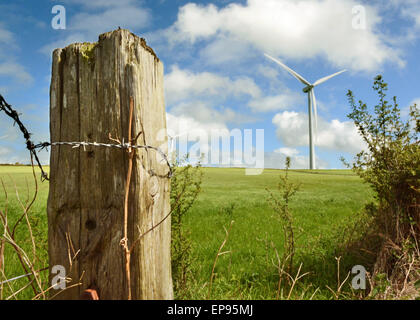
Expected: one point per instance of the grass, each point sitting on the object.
(19, 180)
(328, 201)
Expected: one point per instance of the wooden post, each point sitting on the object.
(90, 95)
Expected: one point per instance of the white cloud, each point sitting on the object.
(195, 21)
(4, 151)
(225, 50)
(289, 152)
(8, 155)
(16, 71)
(9, 67)
(268, 72)
(292, 130)
(183, 124)
(278, 102)
(290, 29)
(186, 129)
(195, 100)
(415, 101)
(184, 84)
(126, 16)
(415, 15)
(203, 113)
(408, 8)
(8, 132)
(6, 36)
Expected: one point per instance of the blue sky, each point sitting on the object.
(216, 75)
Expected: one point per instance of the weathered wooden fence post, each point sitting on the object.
(90, 95)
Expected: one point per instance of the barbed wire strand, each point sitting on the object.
(7, 108)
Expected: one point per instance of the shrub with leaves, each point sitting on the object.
(280, 203)
(391, 165)
(185, 188)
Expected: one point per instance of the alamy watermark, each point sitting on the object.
(59, 20)
(58, 282)
(218, 147)
(359, 17)
(359, 280)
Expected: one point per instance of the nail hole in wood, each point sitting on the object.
(90, 224)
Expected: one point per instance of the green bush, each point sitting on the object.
(185, 188)
(391, 165)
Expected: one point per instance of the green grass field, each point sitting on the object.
(328, 202)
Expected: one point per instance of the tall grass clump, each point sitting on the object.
(185, 188)
(280, 202)
(15, 221)
(390, 163)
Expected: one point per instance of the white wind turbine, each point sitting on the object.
(309, 89)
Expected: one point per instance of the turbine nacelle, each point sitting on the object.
(307, 89)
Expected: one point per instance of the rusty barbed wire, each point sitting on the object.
(7, 108)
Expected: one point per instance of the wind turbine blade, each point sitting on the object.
(293, 73)
(315, 114)
(322, 80)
